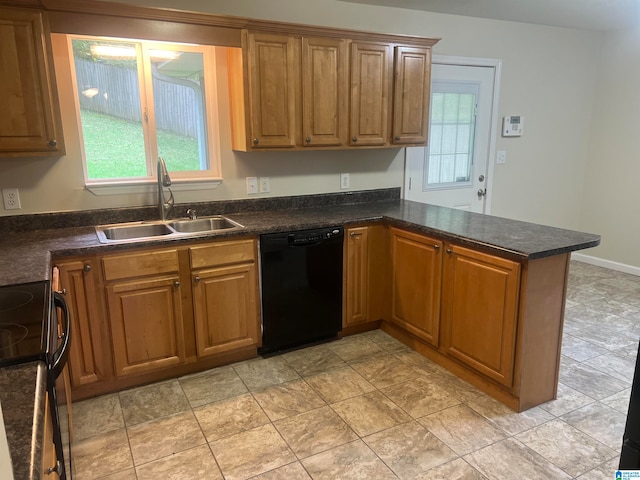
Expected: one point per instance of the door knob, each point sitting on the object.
(481, 178)
(482, 192)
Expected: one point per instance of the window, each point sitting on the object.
(138, 100)
(451, 135)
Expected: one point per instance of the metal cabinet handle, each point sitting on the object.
(436, 247)
(256, 141)
(87, 268)
(352, 234)
(397, 138)
(197, 279)
(354, 139)
(56, 469)
(176, 284)
(53, 142)
(449, 251)
(308, 139)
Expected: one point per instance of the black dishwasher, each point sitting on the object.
(301, 287)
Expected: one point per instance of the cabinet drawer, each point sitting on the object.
(223, 253)
(140, 264)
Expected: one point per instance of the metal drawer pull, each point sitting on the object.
(87, 268)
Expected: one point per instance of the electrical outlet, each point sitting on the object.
(501, 157)
(344, 180)
(11, 198)
(265, 185)
(252, 185)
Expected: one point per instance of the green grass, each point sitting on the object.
(114, 148)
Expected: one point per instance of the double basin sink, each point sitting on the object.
(137, 231)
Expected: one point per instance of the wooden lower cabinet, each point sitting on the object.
(88, 360)
(480, 308)
(146, 324)
(225, 309)
(416, 262)
(365, 276)
(49, 457)
(356, 273)
(151, 313)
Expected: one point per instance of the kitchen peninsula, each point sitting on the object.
(429, 252)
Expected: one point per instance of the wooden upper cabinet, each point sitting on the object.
(371, 66)
(416, 262)
(324, 91)
(480, 307)
(30, 124)
(411, 95)
(273, 84)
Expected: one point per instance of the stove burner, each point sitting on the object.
(12, 299)
(11, 334)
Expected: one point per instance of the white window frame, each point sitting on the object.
(183, 180)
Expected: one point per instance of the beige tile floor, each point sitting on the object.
(367, 407)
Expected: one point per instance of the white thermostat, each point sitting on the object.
(512, 126)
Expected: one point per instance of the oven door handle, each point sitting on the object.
(60, 356)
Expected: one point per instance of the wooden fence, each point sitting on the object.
(117, 94)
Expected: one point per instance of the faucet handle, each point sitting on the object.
(191, 213)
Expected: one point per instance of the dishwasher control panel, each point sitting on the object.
(310, 236)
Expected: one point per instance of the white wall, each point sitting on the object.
(610, 202)
(548, 77)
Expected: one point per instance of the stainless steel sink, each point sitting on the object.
(134, 231)
(140, 231)
(206, 224)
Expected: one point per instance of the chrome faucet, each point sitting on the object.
(164, 181)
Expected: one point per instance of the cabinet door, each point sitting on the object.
(480, 311)
(324, 91)
(273, 89)
(30, 123)
(411, 97)
(356, 276)
(146, 324)
(49, 457)
(416, 263)
(371, 65)
(225, 309)
(86, 356)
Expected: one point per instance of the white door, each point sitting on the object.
(452, 170)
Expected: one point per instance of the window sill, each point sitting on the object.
(121, 188)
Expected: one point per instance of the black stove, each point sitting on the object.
(25, 323)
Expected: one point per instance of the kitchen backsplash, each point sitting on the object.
(45, 221)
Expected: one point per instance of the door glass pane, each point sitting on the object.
(451, 137)
(110, 113)
(179, 99)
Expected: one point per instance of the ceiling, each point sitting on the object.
(583, 14)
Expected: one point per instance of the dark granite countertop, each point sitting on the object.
(22, 394)
(26, 255)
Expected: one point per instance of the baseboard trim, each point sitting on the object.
(601, 262)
